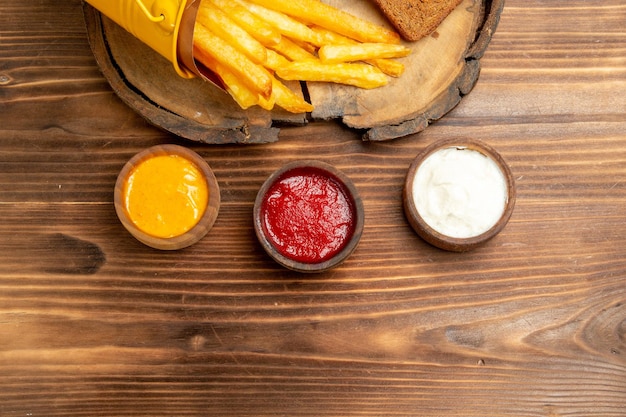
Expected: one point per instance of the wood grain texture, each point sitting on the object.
(93, 323)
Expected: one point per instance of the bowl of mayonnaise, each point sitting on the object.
(458, 194)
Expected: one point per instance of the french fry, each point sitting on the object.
(292, 50)
(254, 25)
(253, 75)
(388, 66)
(289, 100)
(283, 97)
(355, 74)
(285, 24)
(316, 12)
(242, 95)
(275, 60)
(223, 26)
(309, 47)
(331, 54)
(267, 103)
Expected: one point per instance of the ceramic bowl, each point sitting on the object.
(203, 224)
(308, 216)
(443, 235)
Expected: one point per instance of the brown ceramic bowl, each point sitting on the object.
(204, 223)
(437, 235)
(292, 227)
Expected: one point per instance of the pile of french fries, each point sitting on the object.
(255, 45)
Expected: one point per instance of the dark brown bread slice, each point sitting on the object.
(415, 19)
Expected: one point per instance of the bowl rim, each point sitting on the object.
(432, 236)
(204, 224)
(352, 193)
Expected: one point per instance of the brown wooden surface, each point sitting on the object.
(93, 323)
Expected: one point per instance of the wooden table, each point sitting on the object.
(93, 323)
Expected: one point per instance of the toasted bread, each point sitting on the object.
(415, 19)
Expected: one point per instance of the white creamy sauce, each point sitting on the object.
(460, 192)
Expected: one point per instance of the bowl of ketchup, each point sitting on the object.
(308, 216)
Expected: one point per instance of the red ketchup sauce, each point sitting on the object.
(307, 215)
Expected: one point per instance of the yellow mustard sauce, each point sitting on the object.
(166, 195)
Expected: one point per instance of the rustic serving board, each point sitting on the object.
(441, 69)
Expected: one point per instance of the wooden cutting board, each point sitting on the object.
(441, 69)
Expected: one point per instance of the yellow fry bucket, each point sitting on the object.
(164, 25)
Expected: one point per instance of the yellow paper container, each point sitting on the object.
(164, 25)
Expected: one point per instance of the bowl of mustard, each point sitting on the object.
(167, 197)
